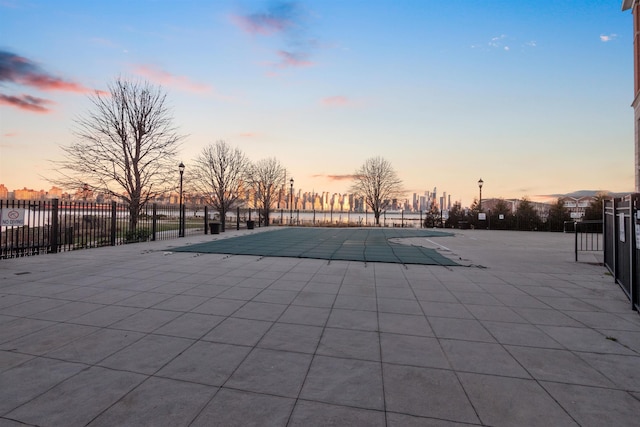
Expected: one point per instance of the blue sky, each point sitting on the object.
(534, 97)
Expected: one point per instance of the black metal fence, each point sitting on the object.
(621, 249)
(50, 226)
(588, 235)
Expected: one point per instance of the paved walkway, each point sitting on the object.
(143, 335)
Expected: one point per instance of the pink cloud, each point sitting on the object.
(279, 17)
(17, 69)
(10, 134)
(291, 59)
(335, 101)
(27, 103)
(261, 24)
(248, 135)
(345, 177)
(163, 77)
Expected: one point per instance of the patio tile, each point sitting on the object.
(148, 354)
(234, 408)
(353, 319)
(512, 401)
(407, 324)
(355, 302)
(95, 347)
(240, 293)
(273, 372)
(260, 311)
(463, 329)
(349, 343)
(314, 299)
(190, 325)
(321, 414)
(88, 393)
(544, 316)
(147, 320)
(33, 306)
(445, 309)
(426, 392)
(276, 296)
(520, 334)
(482, 358)
(290, 337)
(181, 303)
(356, 383)
(400, 306)
(219, 306)
(238, 331)
(592, 406)
(144, 299)
(621, 370)
(106, 316)
(68, 311)
(205, 363)
(24, 382)
(495, 313)
(303, 315)
(20, 327)
(558, 365)
(585, 339)
(45, 340)
(412, 350)
(9, 359)
(157, 402)
(404, 420)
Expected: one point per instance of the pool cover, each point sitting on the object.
(345, 244)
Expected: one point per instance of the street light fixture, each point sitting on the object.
(291, 203)
(480, 183)
(181, 220)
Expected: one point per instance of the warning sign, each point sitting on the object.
(12, 217)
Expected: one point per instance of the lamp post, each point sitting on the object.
(480, 182)
(291, 203)
(181, 221)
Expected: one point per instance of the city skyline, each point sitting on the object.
(532, 98)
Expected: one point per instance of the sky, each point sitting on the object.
(532, 97)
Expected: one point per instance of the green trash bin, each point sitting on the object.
(215, 227)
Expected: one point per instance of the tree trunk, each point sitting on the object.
(134, 209)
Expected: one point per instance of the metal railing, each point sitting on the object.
(588, 236)
(50, 226)
(621, 249)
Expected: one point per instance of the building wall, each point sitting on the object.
(634, 5)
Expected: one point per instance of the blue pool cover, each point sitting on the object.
(345, 244)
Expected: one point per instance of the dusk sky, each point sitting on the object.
(531, 96)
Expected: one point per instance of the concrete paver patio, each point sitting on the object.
(519, 334)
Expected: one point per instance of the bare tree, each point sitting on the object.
(378, 183)
(266, 181)
(126, 146)
(219, 175)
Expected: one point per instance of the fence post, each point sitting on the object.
(206, 217)
(55, 227)
(237, 217)
(114, 223)
(616, 233)
(633, 248)
(575, 234)
(154, 222)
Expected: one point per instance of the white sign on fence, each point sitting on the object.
(12, 217)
